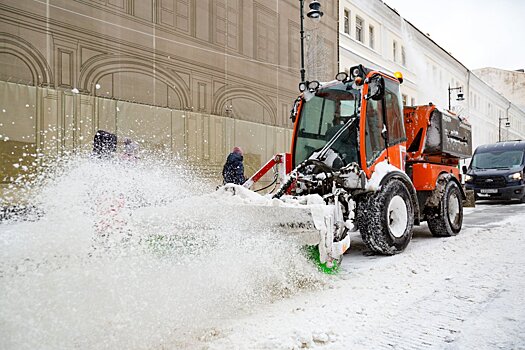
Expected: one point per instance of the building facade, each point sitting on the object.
(377, 36)
(192, 77)
(196, 77)
(509, 83)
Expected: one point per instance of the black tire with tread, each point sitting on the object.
(371, 215)
(439, 223)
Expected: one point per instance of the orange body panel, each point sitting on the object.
(295, 126)
(396, 156)
(362, 135)
(417, 119)
(424, 175)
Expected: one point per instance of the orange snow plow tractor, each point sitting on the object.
(382, 167)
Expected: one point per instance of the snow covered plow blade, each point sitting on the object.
(232, 208)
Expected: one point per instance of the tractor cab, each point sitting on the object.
(331, 114)
(356, 119)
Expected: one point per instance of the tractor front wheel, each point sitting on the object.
(385, 218)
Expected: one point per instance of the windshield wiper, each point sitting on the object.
(492, 167)
(334, 138)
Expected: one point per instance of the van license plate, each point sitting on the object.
(489, 190)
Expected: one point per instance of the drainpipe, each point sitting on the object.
(508, 118)
(468, 92)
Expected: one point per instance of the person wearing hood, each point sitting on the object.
(131, 150)
(233, 170)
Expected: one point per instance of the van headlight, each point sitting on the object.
(468, 178)
(516, 176)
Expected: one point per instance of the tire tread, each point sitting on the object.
(438, 221)
(371, 222)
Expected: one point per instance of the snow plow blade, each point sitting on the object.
(307, 222)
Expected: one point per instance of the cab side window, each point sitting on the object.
(374, 142)
(394, 114)
(391, 105)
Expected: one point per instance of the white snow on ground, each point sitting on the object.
(229, 281)
(463, 292)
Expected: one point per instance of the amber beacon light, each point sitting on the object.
(399, 77)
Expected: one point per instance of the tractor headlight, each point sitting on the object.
(313, 86)
(516, 176)
(341, 76)
(302, 86)
(468, 178)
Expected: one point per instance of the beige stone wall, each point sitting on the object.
(68, 121)
(222, 57)
(194, 77)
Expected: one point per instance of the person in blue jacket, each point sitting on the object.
(233, 170)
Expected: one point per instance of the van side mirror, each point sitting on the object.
(376, 88)
(464, 169)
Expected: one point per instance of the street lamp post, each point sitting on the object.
(460, 95)
(315, 13)
(507, 124)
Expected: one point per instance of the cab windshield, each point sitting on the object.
(321, 117)
(498, 159)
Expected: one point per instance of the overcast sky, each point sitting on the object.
(479, 33)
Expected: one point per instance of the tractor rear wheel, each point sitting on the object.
(385, 218)
(447, 218)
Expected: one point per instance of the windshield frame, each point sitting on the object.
(322, 136)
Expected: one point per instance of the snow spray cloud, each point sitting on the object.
(427, 86)
(121, 258)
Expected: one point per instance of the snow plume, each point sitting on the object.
(427, 85)
(132, 256)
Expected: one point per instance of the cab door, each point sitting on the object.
(382, 128)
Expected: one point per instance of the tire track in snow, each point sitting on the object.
(442, 324)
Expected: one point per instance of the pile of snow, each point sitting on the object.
(380, 170)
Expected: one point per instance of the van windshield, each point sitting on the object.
(497, 159)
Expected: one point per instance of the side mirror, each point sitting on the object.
(376, 88)
(464, 169)
(295, 109)
(384, 133)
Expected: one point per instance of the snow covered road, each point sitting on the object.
(463, 292)
(239, 284)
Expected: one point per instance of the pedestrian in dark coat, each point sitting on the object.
(233, 170)
(104, 144)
